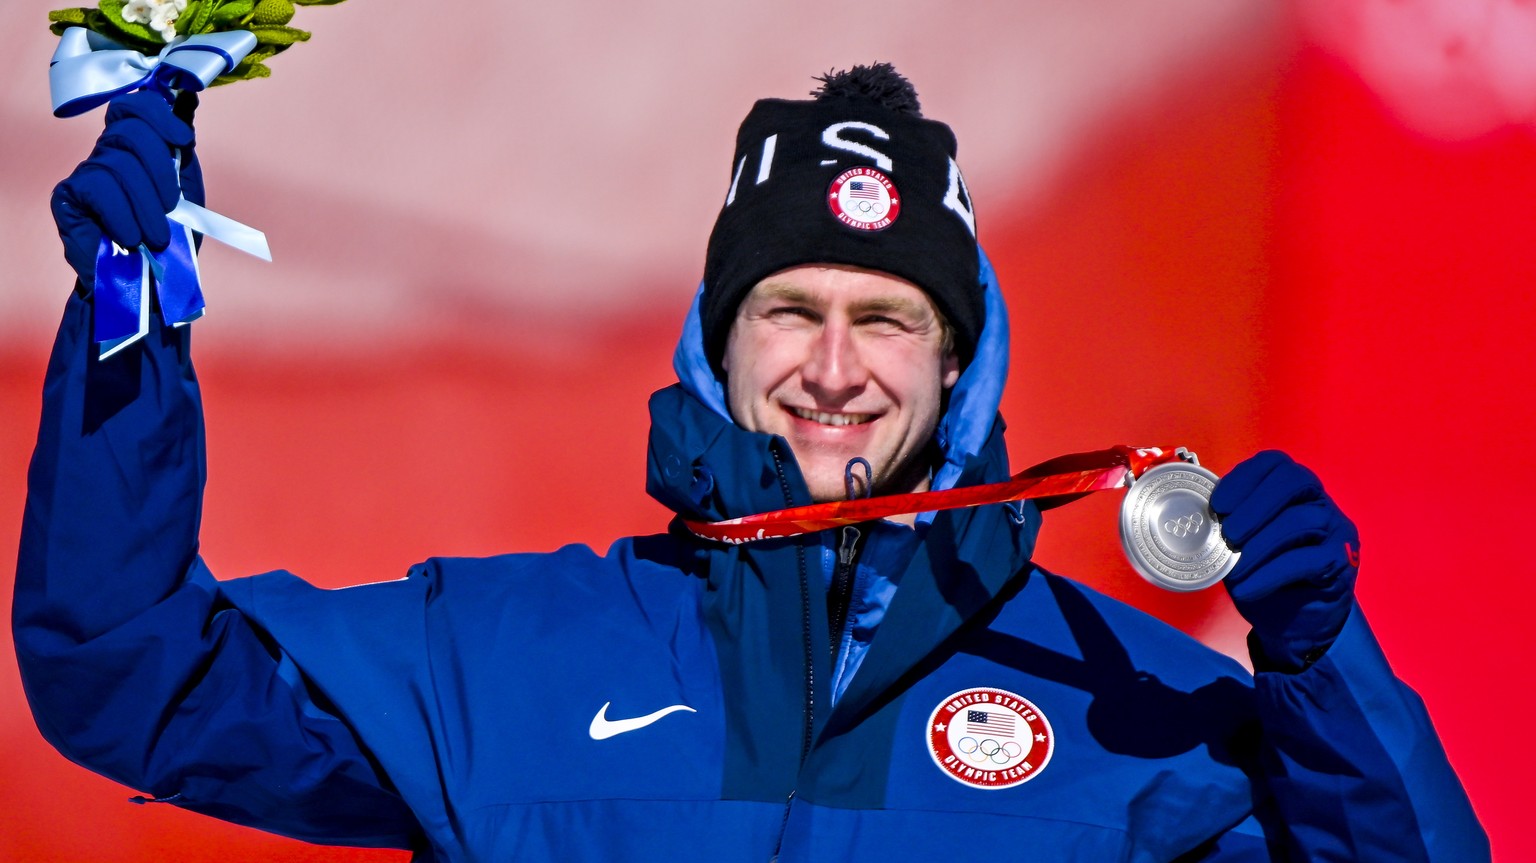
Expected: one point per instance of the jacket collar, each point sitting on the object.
(703, 466)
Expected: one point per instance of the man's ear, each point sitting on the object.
(950, 367)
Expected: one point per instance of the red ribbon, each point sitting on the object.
(1053, 483)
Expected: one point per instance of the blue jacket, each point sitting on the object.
(480, 709)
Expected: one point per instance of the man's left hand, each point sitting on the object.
(1295, 578)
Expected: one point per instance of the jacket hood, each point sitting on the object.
(693, 436)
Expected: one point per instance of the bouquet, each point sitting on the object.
(147, 26)
(119, 46)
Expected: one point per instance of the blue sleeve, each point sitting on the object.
(1352, 766)
(133, 664)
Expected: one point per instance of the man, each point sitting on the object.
(899, 689)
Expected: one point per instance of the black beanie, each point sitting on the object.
(854, 176)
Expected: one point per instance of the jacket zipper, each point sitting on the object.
(842, 589)
(810, 669)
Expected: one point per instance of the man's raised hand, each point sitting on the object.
(1294, 581)
(130, 182)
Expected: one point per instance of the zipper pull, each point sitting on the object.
(849, 545)
(840, 594)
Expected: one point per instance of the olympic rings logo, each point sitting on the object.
(986, 749)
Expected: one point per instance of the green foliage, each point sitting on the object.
(79, 16)
(262, 53)
(137, 34)
(278, 35)
(266, 19)
(231, 14)
(244, 72)
(196, 17)
(72, 17)
(269, 12)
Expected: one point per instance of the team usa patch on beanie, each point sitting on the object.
(854, 176)
(864, 198)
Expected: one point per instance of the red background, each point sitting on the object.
(1268, 259)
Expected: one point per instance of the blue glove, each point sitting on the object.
(1295, 579)
(129, 183)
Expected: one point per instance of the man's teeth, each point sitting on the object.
(827, 419)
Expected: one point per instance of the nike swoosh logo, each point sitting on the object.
(603, 728)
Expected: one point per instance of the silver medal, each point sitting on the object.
(1169, 533)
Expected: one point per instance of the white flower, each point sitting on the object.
(164, 15)
(138, 11)
(160, 15)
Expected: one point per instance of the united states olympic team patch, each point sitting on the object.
(864, 198)
(989, 738)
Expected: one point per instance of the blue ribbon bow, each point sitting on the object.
(88, 70)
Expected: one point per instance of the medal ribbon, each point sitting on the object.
(1052, 482)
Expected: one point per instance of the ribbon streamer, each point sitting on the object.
(1053, 483)
(88, 70)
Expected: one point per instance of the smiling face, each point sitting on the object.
(842, 362)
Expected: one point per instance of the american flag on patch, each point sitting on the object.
(982, 722)
(864, 189)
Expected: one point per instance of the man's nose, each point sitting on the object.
(835, 367)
